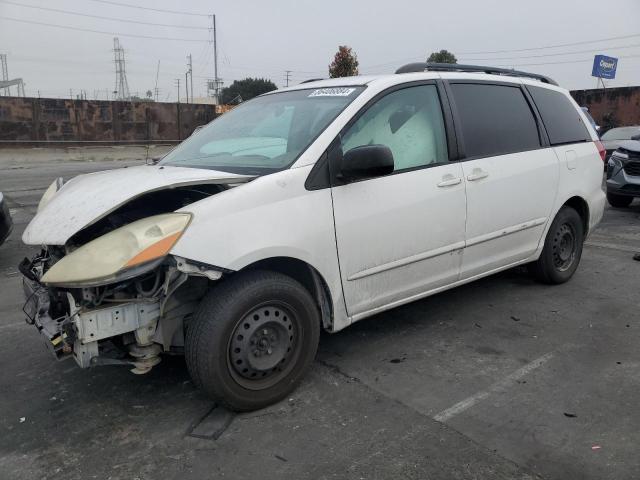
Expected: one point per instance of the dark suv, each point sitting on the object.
(623, 174)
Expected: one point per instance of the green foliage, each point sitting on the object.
(345, 63)
(443, 56)
(243, 90)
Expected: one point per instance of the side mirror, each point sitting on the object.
(367, 161)
(635, 137)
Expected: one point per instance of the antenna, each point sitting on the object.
(122, 86)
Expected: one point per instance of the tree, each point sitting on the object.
(243, 90)
(149, 94)
(345, 63)
(443, 56)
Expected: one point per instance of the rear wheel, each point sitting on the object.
(619, 201)
(562, 248)
(252, 339)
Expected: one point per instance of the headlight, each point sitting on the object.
(119, 255)
(50, 192)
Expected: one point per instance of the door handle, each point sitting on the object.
(477, 174)
(449, 181)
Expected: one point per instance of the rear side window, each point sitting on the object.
(495, 119)
(560, 116)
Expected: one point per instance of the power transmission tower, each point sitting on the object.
(178, 85)
(5, 72)
(121, 91)
(5, 83)
(287, 76)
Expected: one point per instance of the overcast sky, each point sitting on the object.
(265, 38)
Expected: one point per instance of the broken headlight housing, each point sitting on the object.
(119, 255)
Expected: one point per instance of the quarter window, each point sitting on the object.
(560, 117)
(409, 122)
(495, 119)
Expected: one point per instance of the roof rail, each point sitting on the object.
(311, 80)
(455, 67)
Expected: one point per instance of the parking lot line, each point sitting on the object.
(499, 386)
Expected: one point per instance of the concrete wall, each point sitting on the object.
(613, 107)
(47, 119)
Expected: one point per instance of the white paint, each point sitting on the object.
(499, 386)
(399, 238)
(396, 235)
(507, 209)
(87, 198)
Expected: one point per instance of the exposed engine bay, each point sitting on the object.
(129, 321)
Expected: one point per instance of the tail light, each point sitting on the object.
(601, 149)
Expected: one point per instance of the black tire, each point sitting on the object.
(619, 201)
(562, 248)
(252, 339)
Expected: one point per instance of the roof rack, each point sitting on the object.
(455, 67)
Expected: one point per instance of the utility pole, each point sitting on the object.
(155, 90)
(190, 71)
(186, 85)
(287, 75)
(216, 81)
(178, 85)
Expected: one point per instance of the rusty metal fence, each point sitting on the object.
(47, 120)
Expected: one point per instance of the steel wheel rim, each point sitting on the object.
(264, 345)
(564, 247)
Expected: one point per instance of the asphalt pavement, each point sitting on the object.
(503, 378)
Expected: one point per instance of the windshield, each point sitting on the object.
(622, 133)
(264, 135)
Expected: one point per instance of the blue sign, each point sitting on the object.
(604, 67)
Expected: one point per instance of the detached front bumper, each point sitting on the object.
(6, 224)
(79, 332)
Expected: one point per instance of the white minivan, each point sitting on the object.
(311, 208)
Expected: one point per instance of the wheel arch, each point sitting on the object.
(581, 206)
(308, 276)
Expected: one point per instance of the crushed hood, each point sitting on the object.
(87, 198)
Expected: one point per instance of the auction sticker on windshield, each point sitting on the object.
(332, 92)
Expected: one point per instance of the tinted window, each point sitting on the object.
(561, 119)
(409, 122)
(495, 119)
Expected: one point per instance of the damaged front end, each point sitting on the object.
(104, 288)
(129, 322)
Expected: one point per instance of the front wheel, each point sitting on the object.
(252, 339)
(619, 201)
(562, 248)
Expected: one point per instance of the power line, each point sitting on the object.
(418, 57)
(559, 63)
(101, 17)
(618, 47)
(120, 4)
(116, 34)
(552, 46)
